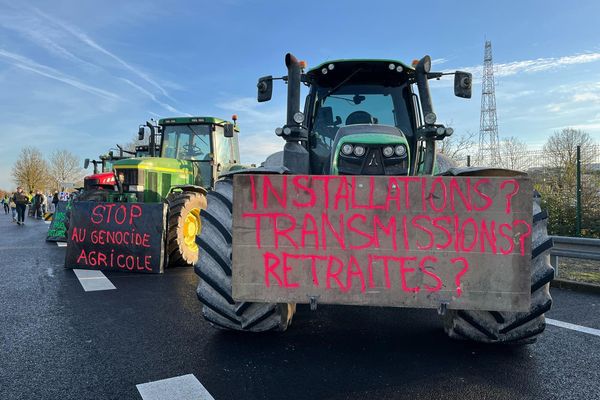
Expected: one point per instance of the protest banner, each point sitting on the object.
(57, 231)
(390, 241)
(116, 236)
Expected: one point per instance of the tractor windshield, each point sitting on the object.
(187, 142)
(354, 104)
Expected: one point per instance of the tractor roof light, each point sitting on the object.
(302, 64)
(388, 151)
(392, 67)
(440, 130)
(279, 131)
(330, 67)
(399, 68)
(324, 71)
(287, 130)
(449, 131)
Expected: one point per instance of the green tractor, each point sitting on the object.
(361, 117)
(95, 186)
(193, 152)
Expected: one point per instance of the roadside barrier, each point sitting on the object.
(573, 247)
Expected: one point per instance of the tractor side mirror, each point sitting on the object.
(86, 163)
(141, 133)
(265, 88)
(463, 82)
(228, 129)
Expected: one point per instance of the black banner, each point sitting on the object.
(116, 236)
(57, 232)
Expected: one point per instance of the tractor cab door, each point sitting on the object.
(190, 142)
(226, 150)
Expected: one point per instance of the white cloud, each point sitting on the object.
(535, 65)
(32, 28)
(586, 97)
(84, 38)
(166, 106)
(49, 72)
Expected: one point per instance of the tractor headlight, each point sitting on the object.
(359, 151)
(388, 151)
(347, 149)
(400, 151)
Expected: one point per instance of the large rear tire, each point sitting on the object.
(513, 327)
(183, 225)
(214, 269)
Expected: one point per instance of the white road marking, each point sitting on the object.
(578, 328)
(185, 387)
(61, 244)
(48, 222)
(93, 280)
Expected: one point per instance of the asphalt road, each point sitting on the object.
(60, 342)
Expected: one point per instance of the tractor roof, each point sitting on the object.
(385, 71)
(191, 120)
(194, 120)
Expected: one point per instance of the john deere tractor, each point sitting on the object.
(193, 152)
(361, 117)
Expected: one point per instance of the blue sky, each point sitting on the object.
(82, 75)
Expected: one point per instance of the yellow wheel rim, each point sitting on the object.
(191, 227)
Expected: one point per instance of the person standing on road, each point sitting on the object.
(54, 201)
(44, 203)
(38, 199)
(13, 208)
(31, 197)
(21, 200)
(5, 202)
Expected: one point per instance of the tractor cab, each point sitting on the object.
(193, 151)
(204, 142)
(361, 117)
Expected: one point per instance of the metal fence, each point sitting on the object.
(568, 180)
(533, 160)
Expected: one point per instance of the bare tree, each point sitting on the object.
(65, 167)
(561, 148)
(29, 171)
(513, 154)
(558, 183)
(458, 148)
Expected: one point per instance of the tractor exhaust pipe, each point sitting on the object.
(152, 141)
(295, 156)
(423, 67)
(293, 83)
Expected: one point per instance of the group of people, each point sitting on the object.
(19, 200)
